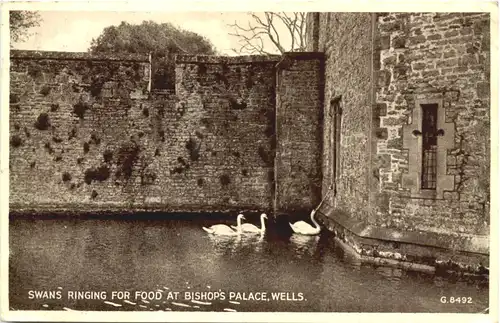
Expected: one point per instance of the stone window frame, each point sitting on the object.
(412, 142)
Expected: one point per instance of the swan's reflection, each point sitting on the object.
(236, 244)
(304, 244)
(222, 244)
(255, 242)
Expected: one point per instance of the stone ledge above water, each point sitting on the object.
(420, 251)
(70, 209)
(463, 243)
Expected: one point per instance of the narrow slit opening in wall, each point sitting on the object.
(429, 146)
(336, 110)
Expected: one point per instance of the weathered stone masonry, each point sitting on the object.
(382, 68)
(444, 57)
(276, 134)
(88, 134)
(299, 130)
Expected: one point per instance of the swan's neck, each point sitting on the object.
(316, 224)
(238, 221)
(262, 224)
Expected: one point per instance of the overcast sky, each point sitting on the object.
(74, 30)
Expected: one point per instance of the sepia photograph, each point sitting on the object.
(247, 161)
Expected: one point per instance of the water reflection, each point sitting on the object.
(304, 245)
(390, 273)
(179, 256)
(224, 244)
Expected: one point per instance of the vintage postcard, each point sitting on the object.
(221, 162)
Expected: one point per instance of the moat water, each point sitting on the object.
(175, 262)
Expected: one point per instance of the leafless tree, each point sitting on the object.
(285, 31)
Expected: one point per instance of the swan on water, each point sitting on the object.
(305, 228)
(251, 228)
(222, 229)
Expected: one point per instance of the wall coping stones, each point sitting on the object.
(212, 59)
(305, 55)
(473, 243)
(37, 54)
(295, 56)
(185, 58)
(209, 59)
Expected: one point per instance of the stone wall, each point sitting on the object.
(434, 56)
(299, 130)
(88, 135)
(229, 120)
(379, 67)
(66, 112)
(346, 41)
(88, 132)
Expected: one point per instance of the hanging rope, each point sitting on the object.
(330, 189)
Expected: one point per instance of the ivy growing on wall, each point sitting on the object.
(126, 157)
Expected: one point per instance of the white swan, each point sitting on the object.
(222, 229)
(305, 228)
(250, 228)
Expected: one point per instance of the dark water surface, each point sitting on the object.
(64, 255)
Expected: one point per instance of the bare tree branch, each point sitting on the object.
(276, 38)
(290, 26)
(271, 32)
(248, 45)
(302, 29)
